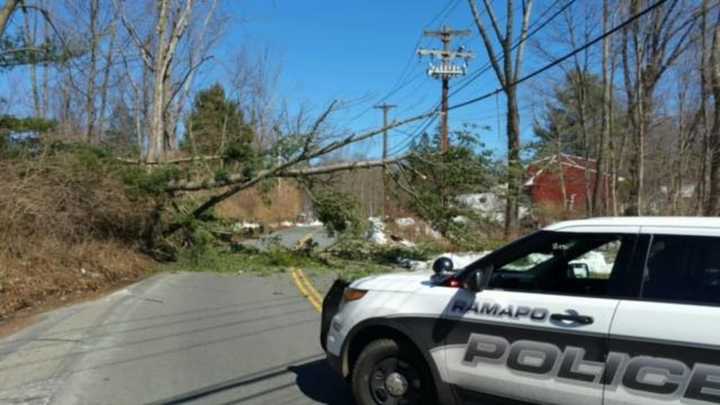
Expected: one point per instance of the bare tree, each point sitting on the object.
(650, 46)
(507, 75)
(170, 27)
(201, 40)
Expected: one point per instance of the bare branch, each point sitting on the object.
(6, 12)
(185, 78)
(316, 126)
(527, 10)
(178, 30)
(309, 171)
(487, 41)
(145, 53)
(494, 21)
(171, 161)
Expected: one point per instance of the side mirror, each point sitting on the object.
(578, 270)
(476, 281)
(443, 265)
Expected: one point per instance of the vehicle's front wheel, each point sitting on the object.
(386, 373)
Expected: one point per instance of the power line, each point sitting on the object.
(564, 57)
(402, 80)
(561, 59)
(520, 41)
(474, 76)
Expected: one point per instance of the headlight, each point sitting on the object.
(353, 294)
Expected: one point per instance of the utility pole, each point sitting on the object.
(445, 71)
(385, 107)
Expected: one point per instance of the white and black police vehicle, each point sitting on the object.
(603, 311)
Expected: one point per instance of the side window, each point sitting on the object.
(564, 263)
(683, 268)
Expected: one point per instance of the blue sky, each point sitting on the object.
(357, 52)
(360, 50)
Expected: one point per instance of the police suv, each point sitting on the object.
(598, 311)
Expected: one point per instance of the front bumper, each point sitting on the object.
(330, 307)
(335, 363)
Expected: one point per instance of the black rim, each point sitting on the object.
(380, 393)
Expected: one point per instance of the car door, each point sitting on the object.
(538, 331)
(665, 346)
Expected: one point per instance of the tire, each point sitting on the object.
(376, 368)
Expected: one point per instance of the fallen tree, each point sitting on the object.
(310, 146)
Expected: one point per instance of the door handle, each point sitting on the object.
(574, 318)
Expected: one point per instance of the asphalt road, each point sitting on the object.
(175, 339)
(290, 237)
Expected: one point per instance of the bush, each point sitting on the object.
(69, 225)
(340, 212)
(362, 250)
(68, 196)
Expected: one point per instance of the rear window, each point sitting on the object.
(683, 269)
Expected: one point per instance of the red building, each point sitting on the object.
(564, 176)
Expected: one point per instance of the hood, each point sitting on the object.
(403, 282)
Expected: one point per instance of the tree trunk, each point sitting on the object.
(714, 72)
(635, 114)
(701, 193)
(157, 122)
(515, 169)
(45, 106)
(92, 73)
(600, 175)
(106, 76)
(30, 37)
(5, 13)
(507, 75)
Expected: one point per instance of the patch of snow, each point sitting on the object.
(490, 205)
(376, 233)
(460, 219)
(313, 223)
(244, 226)
(596, 263)
(286, 224)
(532, 260)
(407, 243)
(431, 232)
(404, 222)
(486, 203)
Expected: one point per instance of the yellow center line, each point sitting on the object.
(300, 283)
(309, 285)
(303, 283)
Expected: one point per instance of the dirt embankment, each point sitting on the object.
(68, 228)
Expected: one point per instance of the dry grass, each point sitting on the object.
(57, 272)
(67, 227)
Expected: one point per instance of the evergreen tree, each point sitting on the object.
(560, 125)
(121, 135)
(218, 126)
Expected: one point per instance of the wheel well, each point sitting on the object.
(372, 333)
